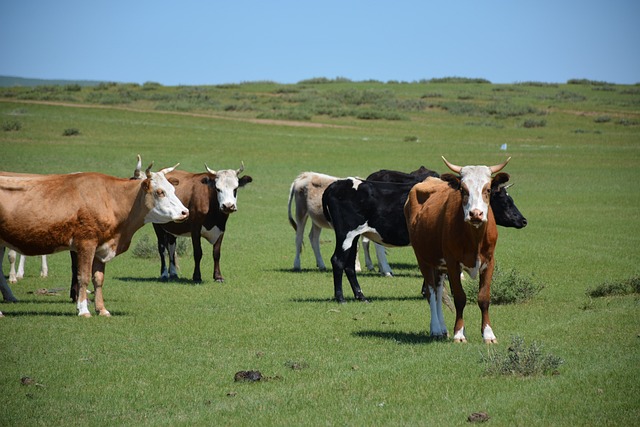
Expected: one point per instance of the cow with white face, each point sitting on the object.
(92, 214)
(211, 198)
(452, 228)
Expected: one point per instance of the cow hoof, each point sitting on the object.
(463, 340)
(104, 313)
(84, 315)
(491, 341)
(173, 277)
(220, 280)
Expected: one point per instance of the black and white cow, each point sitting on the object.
(375, 210)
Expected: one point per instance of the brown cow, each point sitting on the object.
(92, 214)
(451, 227)
(211, 197)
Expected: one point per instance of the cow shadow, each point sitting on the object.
(179, 281)
(399, 337)
(354, 301)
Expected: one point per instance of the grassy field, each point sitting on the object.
(169, 353)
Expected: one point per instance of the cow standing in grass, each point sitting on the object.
(211, 197)
(452, 227)
(92, 214)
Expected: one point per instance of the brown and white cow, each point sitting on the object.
(92, 214)
(211, 197)
(452, 227)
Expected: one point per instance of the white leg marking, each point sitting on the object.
(314, 238)
(383, 264)
(488, 335)
(83, 309)
(44, 268)
(459, 336)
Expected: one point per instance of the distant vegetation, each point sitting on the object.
(321, 98)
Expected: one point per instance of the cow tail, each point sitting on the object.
(291, 221)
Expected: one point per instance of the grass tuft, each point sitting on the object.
(520, 360)
(609, 288)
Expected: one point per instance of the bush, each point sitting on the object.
(148, 248)
(624, 287)
(70, 132)
(520, 360)
(530, 123)
(602, 119)
(11, 125)
(507, 287)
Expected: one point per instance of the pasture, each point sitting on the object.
(169, 353)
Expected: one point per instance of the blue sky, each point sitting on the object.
(192, 42)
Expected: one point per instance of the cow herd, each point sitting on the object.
(449, 220)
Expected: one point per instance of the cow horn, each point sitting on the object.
(148, 171)
(451, 166)
(498, 168)
(168, 170)
(137, 174)
(239, 171)
(211, 171)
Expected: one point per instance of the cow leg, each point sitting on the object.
(367, 256)
(350, 271)
(44, 268)
(314, 238)
(161, 237)
(171, 245)
(98, 280)
(85, 267)
(217, 275)
(13, 277)
(197, 256)
(484, 299)
(385, 268)
(7, 295)
(20, 272)
(75, 286)
(301, 222)
(459, 300)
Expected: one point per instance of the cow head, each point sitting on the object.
(504, 208)
(475, 184)
(226, 183)
(160, 198)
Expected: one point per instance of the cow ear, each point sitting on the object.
(174, 181)
(146, 184)
(452, 180)
(244, 180)
(205, 180)
(499, 180)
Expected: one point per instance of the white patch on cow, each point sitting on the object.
(83, 308)
(356, 182)
(488, 335)
(364, 228)
(226, 186)
(212, 235)
(459, 336)
(473, 271)
(437, 327)
(105, 252)
(165, 205)
(475, 179)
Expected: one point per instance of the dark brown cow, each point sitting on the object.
(92, 214)
(211, 197)
(451, 227)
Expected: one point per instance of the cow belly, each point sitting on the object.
(212, 235)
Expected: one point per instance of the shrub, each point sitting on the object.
(70, 132)
(602, 119)
(624, 287)
(148, 248)
(530, 123)
(11, 125)
(520, 360)
(507, 287)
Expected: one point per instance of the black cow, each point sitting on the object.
(375, 210)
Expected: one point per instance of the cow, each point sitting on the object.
(91, 214)
(452, 227)
(14, 274)
(374, 210)
(211, 197)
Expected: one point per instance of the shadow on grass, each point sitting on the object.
(178, 281)
(352, 300)
(398, 336)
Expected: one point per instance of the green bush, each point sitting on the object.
(608, 288)
(520, 360)
(530, 123)
(147, 248)
(11, 125)
(70, 132)
(507, 287)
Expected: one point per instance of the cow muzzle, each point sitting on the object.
(184, 215)
(476, 217)
(228, 208)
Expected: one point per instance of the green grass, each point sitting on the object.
(170, 352)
